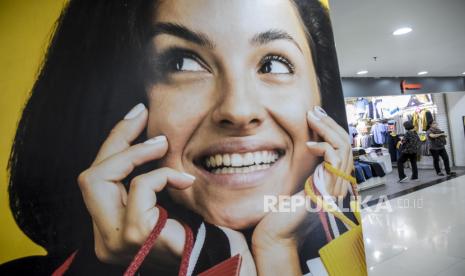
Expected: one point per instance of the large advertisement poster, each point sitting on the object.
(186, 138)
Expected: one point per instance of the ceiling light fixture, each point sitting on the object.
(422, 73)
(463, 73)
(402, 31)
(363, 72)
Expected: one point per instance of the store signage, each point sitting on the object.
(404, 86)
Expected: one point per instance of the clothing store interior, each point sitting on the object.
(405, 61)
(376, 130)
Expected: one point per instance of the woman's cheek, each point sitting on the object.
(175, 112)
(289, 106)
(290, 113)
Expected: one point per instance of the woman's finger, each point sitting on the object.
(142, 213)
(319, 122)
(325, 150)
(344, 146)
(120, 165)
(343, 134)
(104, 194)
(124, 132)
(329, 155)
(105, 203)
(335, 185)
(143, 189)
(333, 133)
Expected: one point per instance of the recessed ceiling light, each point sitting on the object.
(423, 73)
(402, 31)
(363, 72)
(463, 73)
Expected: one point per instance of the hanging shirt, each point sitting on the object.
(379, 131)
(426, 118)
(429, 118)
(378, 110)
(416, 121)
(371, 110)
(361, 105)
(352, 133)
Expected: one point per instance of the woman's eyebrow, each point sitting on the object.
(271, 35)
(183, 32)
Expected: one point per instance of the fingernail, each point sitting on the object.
(135, 111)
(320, 112)
(124, 196)
(312, 115)
(155, 140)
(190, 176)
(124, 200)
(311, 143)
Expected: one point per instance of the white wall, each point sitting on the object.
(456, 109)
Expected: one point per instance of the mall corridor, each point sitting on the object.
(423, 233)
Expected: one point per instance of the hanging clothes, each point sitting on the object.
(420, 123)
(427, 118)
(392, 142)
(399, 121)
(415, 120)
(361, 106)
(378, 110)
(366, 141)
(352, 133)
(379, 130)
(371, 110)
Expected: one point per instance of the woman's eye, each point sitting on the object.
(275, 65)
(188, 64)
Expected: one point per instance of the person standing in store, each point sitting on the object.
(408, 151)
(437, 143)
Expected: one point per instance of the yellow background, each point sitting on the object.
(25, 29)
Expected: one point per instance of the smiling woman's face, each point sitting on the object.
(234, 82)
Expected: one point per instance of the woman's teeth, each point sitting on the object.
(240, 162)
(227, 170)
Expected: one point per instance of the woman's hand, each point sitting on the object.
(275, 239)
(123, 220)
(335, 149)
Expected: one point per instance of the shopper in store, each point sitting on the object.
(437, 143)
(408, 151)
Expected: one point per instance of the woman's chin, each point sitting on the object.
(239, 220)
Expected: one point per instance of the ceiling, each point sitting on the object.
(363, 30)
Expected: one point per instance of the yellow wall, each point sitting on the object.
(25, 27)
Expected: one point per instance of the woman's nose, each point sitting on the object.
(239, 107)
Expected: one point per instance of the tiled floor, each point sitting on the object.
(424, 234)
(392, 186)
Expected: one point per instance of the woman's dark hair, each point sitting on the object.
(92, 74)
(408, 125)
